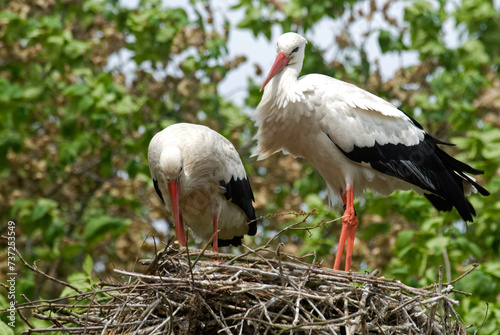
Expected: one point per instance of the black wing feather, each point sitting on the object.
(426, 166)
(157, 189)
(239, 192)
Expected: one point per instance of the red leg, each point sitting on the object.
(342, 196)
(343, 237)
(215, 242)
(349, 226)
(340, 248)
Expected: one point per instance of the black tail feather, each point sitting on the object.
(445, 205)
(235, 241)
(448, 198)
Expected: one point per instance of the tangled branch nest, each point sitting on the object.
(183, 291)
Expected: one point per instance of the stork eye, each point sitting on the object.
(295, 50)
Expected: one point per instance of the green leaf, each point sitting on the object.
(42, 207)
(178, 15)
(438, 243)
(9, 91)
(405, 238)
(127, 105)
(75, 49)
(88, 265)
(53, 232)
(166, 34)
(78, 280)
(33, 92)
(293, 9)
(106, 166)
(492, 268)
(491, 150)
(132, 168)
(56, 40)
(384, 40)
(7, 15)
(75, 90)
(433, 224)
(189, 65)
(405, 250)
(388, 42)
(68, 152)
(85, 103)
(5, 329)
(423, 264)
(474, 53)
(314, 201)
(98, 227)
(9, 139)
(52, 22)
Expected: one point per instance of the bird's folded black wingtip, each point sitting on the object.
(252, 227)
(235, 241)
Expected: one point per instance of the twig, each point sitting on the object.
(205, 248)
(35, 270)
(158, 256)
(430, 319)
(189, 261)
(474, 266)
(484, 320)
(447, 264)
(280, 267)
(21, 315)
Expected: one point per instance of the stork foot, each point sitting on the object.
(349, 227)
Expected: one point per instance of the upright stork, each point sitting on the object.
(355, 140)
(199, 176)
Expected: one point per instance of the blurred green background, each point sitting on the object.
(75, 126)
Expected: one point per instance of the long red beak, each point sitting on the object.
(174, 187)
(279, 63)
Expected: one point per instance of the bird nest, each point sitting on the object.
(184, 291)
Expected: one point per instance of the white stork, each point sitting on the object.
(355, 140)
(199, 176)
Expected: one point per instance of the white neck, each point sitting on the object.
(284, 87)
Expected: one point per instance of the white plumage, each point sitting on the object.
(199, 176)
(355, 140)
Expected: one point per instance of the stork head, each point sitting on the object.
(171, 165)
(290, 52)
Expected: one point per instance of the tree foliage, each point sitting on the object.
(85, 85)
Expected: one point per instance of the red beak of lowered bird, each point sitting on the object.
(279, 63)
(174, 187)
